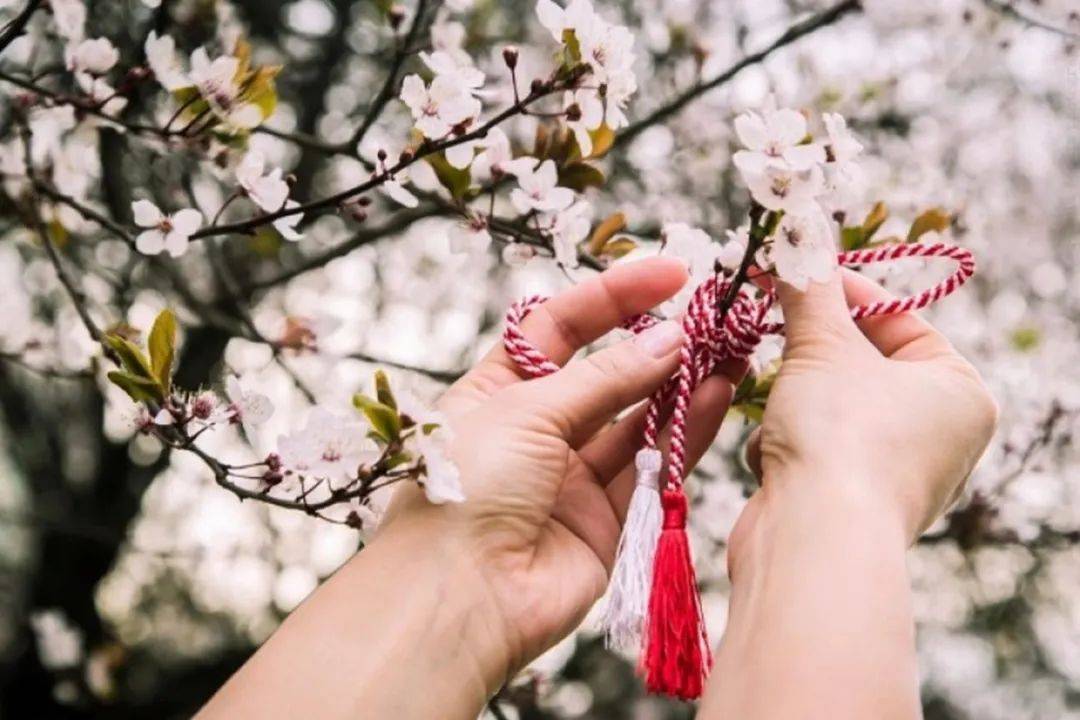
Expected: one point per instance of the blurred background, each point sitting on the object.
(132, 586)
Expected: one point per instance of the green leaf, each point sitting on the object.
(933, 219)
(751, 411)
(397, 459)
(138, 389)
(455, 180)
(383, 391)
(875, 219)
(162, 346)
(384, 419)
(580, 176)
(131, 357)
(618, 247)
(605, 231)
(603, 138)
(852, 238)
(573, 47)
(1026, 339)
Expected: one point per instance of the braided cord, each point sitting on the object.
(709, 340)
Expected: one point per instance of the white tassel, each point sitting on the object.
(631, 580)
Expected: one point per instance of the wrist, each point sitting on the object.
(460, 618)
(829, 508)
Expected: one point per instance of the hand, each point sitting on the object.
(547, 479)
(881, 416)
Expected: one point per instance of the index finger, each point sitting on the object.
(905, 336)
(581, 314)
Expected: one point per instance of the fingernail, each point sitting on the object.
(661, 339)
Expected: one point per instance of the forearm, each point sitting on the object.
(394, 634)
(820, 622)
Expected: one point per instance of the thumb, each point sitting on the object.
(814, 315)
(590, 391)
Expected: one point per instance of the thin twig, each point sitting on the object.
(793, 33)
(15, 28)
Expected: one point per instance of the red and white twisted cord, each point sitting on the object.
(710, 340)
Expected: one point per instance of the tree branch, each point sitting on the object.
(1008, 10)
(15, 28)
(387, 91)
(793, 33)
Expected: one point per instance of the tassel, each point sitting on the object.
(677, 655)
(628, 592)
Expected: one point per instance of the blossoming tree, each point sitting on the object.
(239, 249)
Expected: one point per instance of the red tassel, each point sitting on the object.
(677, 656)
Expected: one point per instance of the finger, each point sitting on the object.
(708, 406)
(589, 391)
(753, 453)
(572, 319)
(818, 313)
(905, 336)
(614, 448)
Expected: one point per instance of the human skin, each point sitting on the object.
(447, 602)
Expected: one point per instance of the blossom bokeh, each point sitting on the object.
(134, 582)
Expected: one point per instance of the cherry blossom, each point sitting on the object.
(431, 439)
(269, 191)
(164, 61)
(329, 446)
(471, 237)
(569, 228)
(248, 407)
(217, 82)
(169, 233)
(690, 244)
(775, 135)
(286, 224)
(95, 56)
(518, 254)
(779, 187)
(539, 190)
(843, 175)
(803, 250)
(439, 107)
(589, 116)
(456, 67)
(70, 18)
(394, 188)
(497, 159)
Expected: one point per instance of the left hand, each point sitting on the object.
(547, 478)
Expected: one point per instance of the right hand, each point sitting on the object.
(880, 416)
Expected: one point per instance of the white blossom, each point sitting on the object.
(439, 107)
(267, 190)
(779, 187)
(165, 63)
(844, 178)
(456, 67)
(496, 157)
(169, 233)
(286, 224)
(591, 117)
(517, 254)
(431, 438)
(329, 446)
(70, 18)
(772, 137)
(539, 190)
(690, 244)
(248, 407)
(569, 228)
(394, 188)
(803, 249)
(470, 237)
(49, 124)
(731, 253)
(95, 56)
(219, 85)
(60, 643)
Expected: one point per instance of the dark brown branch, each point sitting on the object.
(793, 33)
(1009, 10)
(15, 28)
(387, 91)
(428, 148)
